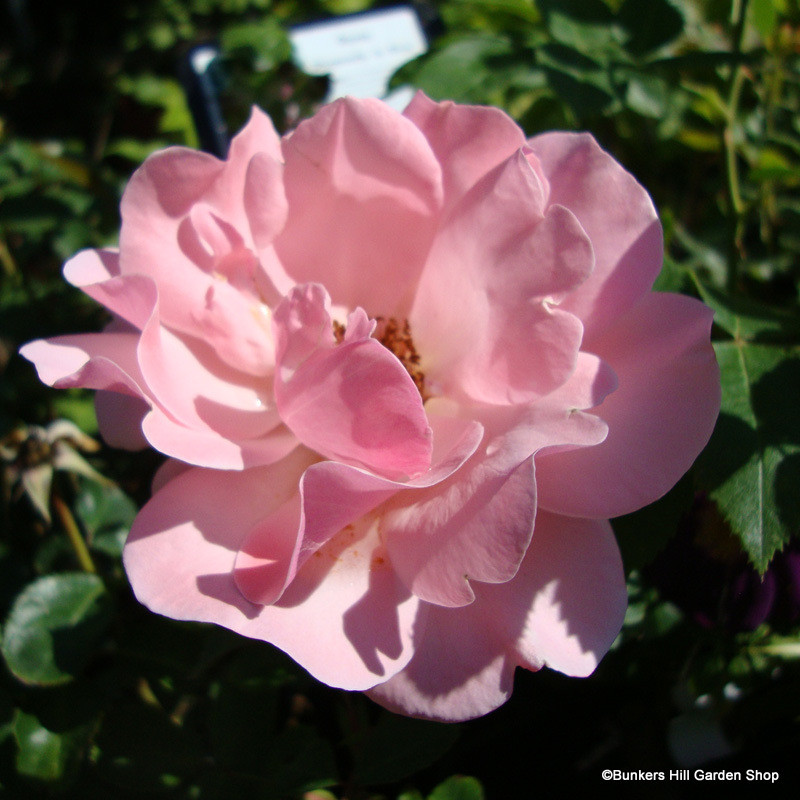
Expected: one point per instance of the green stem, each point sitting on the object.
(736, 205)
(73, 534)
(7, 260)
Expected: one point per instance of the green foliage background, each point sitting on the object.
(99, 698)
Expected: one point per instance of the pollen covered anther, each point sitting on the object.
(396, 336)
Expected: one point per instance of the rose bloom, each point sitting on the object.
(405, 367)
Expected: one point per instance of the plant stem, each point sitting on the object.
(73, 534)
(736, 205)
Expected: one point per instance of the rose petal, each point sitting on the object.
(207, 448)
(356, 620)
(460, 669)
(256, 137)
(264, 199)
(119, 418)
(332, 496)
(483, 317)
(659, 418)
(566, 604)
(352, 402)
(468, 141)
(359, 622)
(619, 218)
(563, 609)
(476, 525)
(89, 361)
(161, 225)
(110, 361)
(364, 189)
(200, 390)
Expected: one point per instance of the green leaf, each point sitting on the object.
(345, 6)
(751, 466)
(266, 39)
(43, 754)
(578, 80)
(648, 95)
(458, 69)
(458, 787)
(107, 514)
(764, 14)
(586, 25)
(54, 626)
(772, 165)
(523, 9)
(748, 319)
(167, 95)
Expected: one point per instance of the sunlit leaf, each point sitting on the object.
(45, 755)
(266, 38)
(54, 626)
(345, 6)
(107, 514)
(459, 787)
(648, 95)
(456, 70)
(764, 14)
(772, 165)
(586, 25)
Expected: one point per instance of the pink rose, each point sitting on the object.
(406, 367)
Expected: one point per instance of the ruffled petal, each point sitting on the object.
(566, 604)
(258, 140)
(193, 213)
(207, 448)
(119, 418)
(468, 141)
(345, 617)
(659, 418)
(477, 524)
(158, 196)
(89, 361)
(364, 191)
(199, 390)
(256, 137)
(352, 402)
(616, 213)
(358, 622)
(130, 297)
(460, 670)
(563, 609)
(264, 199)
(484, 318)
(331, 497)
